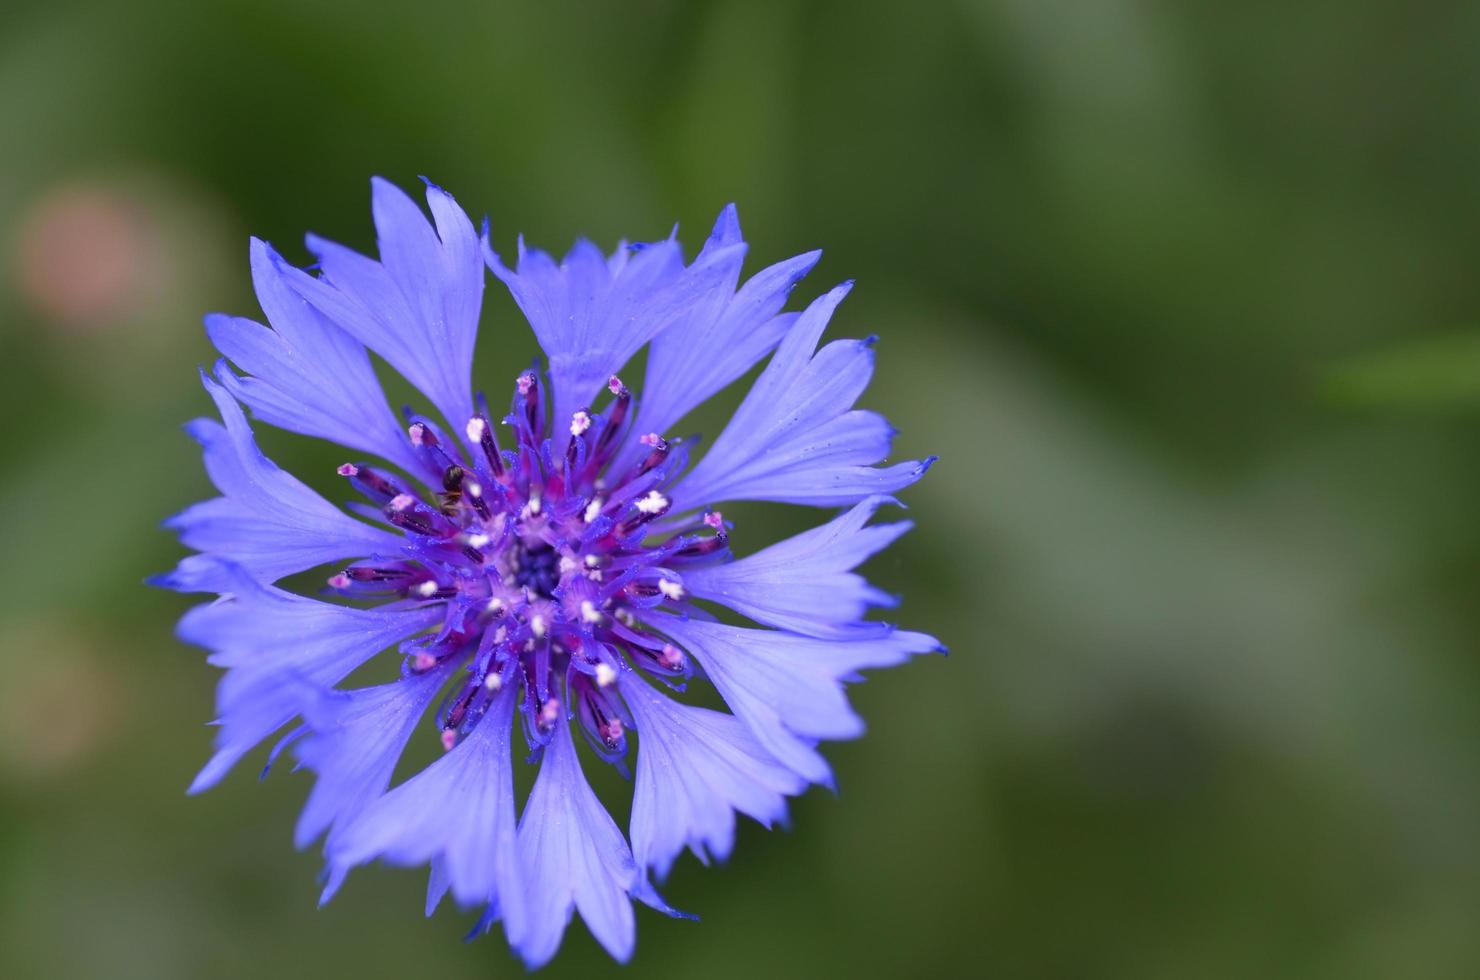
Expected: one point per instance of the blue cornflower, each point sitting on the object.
(553, 565)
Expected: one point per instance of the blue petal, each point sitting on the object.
(357, 737)
(716, 341)
(308, 375)
(788, 688)
(280, 649)
(574, 857)
(267, 521)
(695, 768)
(418, 306)
(458, 811)
(591, 313)
(793, 438)
(806, 583)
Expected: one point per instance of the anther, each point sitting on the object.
(673, 590)
(593, 510)
(579, 423)
(605, 675)
(715, 520)
(480, 432)
(493, 681)
(550, 713)
(449, 739)
(653, 503)
(592, 615)
(424, 661)
(348, 469)
(671, 656)
(339, 581)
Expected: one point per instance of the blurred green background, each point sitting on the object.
(1184, 294)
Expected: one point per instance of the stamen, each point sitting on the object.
(611, 732)
(339, 581)
(579, 423)
(348, 469)
(605, 675)
(590, 614)
(424, 661)
(653, 503)
(715, 520)
(449, 739)
(673, 590)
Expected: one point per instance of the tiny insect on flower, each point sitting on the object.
(554, 565)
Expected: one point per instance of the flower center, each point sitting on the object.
(538, 570)
(540, 554)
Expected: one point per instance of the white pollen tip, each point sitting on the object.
(671, 656)
(537, 625)
(478, 540)
(593, 560)
(493, 682)
(567, 564)
(348, 469)
(593, 510)
(472, 489)
(670, 588)
(579, 423)
(402, 501)
(525, 382)
(418, 433)
(449, 739)
(653, 503)
(424, 661)
(651, 439)
(614, 385)
(476, 430)
(340, 581)
(605, 675)
(426, 588)
(590, 614)
(714, 519)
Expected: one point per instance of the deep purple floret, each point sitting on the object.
(561, 564)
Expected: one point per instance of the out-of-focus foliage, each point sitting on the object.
(1439, 373)
(1213, 702)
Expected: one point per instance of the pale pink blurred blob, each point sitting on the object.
(89, 257)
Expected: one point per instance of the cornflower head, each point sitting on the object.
(557, 565)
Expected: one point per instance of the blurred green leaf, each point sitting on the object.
(1435, 373)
